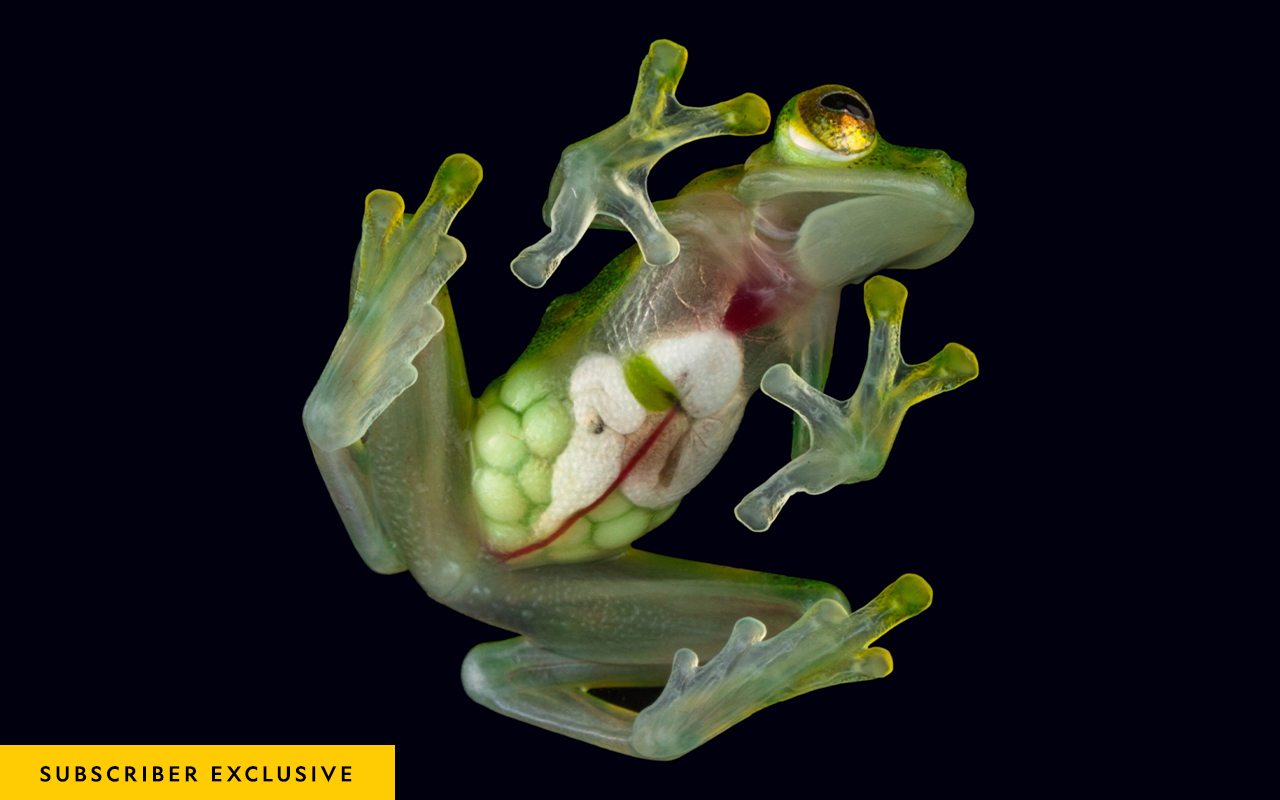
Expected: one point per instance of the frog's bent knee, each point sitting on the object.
(477, 680)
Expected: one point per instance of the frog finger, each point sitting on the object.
(392, 253)
(816, 409)
(380, 229)
(745, 115)
(454, 184)
(889, 385)
(818, 470)
(901, 600)
(660, 74)
(654, 109)
(812, 473)
(632, 208)
(570, 215)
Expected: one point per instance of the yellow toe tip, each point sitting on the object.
(912, 594)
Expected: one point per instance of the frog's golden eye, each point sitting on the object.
(837, 123)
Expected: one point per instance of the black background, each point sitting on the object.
(209, 591)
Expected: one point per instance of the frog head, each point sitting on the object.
(852, 202)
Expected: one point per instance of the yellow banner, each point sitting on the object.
(224, 771)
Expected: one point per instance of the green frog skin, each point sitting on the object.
(520, 507)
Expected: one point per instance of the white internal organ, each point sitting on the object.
(610, 426)
(598, 390)
(706, 370)
(604, 411)
(704, 367)
(682, 456)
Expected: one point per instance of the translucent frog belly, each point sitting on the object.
(581, 470)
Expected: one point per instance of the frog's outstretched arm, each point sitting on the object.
(400, 270)
(608, 173)
(852, 439)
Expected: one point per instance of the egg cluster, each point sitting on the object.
(516, 443)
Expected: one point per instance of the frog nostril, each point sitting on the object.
(842, 101)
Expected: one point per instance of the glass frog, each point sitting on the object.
(520, 508)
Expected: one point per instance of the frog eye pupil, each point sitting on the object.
(839, 101)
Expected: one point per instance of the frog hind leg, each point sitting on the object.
(388, 418)
(401, 265)
(825, 647)
(519, 679)
(637, 620)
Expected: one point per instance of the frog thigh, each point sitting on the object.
(636, 607)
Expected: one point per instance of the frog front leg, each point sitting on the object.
(850, 440)
(388, 418)
(605, 177)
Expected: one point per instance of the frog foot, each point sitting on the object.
(826, 646)
(608, 173)
(399, 271)
(851, 439)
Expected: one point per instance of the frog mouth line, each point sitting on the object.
(765, 186)
(834, 231)
(582, 512)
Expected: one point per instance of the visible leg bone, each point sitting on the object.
(637, 607)
(522, 680)
(607, 174)
(851, 439)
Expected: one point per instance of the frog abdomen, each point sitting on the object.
(581, 473)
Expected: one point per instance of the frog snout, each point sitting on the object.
(960, 175)
(942, 161)
(953, 169)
